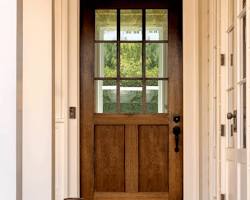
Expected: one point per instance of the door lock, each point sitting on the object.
(177, 118)
(176, 132)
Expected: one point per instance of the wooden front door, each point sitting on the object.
(131, 100)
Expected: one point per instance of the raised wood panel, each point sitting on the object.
(153, 159)
(131, 196)
(109, 158)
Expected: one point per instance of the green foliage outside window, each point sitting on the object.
(131, 62)
(131, 66)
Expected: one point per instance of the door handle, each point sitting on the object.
(176, 132)
(231, 115)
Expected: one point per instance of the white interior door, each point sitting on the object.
(235, 149)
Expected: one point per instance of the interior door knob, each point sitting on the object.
(231, 115)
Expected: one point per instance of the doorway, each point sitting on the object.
(131, 100)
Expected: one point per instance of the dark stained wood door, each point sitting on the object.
(131, 155)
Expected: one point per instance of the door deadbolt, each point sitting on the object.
(177, 118)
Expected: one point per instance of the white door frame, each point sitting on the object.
(70, 46)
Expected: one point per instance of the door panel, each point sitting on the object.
(242, 181)
(128, 149)
(153, 159)
(231, 180)
(235, 148)
(109, 159)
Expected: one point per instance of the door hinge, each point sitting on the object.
(222, 59)
(223, 197)
(222, 130)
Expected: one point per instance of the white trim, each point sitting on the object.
(68, 95)
(213, 21)
(217, 75)
(65, 82)
(203, 98)
(74, 96)
(61, 98)
(248, 96)
(191, 98)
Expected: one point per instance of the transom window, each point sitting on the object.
(131, 61)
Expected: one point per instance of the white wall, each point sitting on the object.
(37, 100)
(8, 105)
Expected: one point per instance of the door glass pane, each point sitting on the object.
(105, 60)
(131, 60)
(105, 96)
(156, 96)
(136, 93)
(131, 96)
(156, 60)
(156, 24)
(105, 24)
(131, 25)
